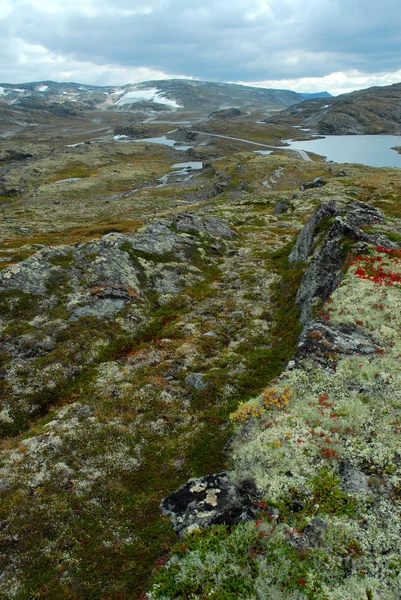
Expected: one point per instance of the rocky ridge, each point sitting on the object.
(121, 368)
(318, 451)
(375, 110)
(163, 95)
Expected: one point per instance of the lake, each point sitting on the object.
(373, 150)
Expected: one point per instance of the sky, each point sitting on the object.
(303, 45)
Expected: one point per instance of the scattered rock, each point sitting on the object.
(282, 207)
(353, 479)
(314, 531)
(196, 381)
(210, 500)
(316, 183)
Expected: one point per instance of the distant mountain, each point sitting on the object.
(316, 95)
(376, 110)
(149, 96)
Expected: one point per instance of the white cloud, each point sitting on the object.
(335, 83)
(334, 44)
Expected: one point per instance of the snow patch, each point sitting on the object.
(326, 106)
(43, 88)
(2, 92)
(150, 95)
(18, 90)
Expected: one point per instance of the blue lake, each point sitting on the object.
(373, 150)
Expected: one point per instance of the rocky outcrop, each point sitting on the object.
(320, 443)
(375, 110)
(92, 288)
(324, 270)
(303, 245)
(210, 500)
(214, 499)
(226, 113)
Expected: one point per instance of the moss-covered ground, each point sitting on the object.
(82, 478)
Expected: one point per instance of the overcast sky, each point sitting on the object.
(304, 45)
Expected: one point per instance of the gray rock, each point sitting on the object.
(30, 276)
(281, 207)
(314, 531)
(157, 238)
(353, 479)
(101, 309)
(168, 282)
(212, 225)
(304, 243)
(320, 278)
(319, 340)
(361, 213)
(316, 183)
(210, 500)
(196, 381)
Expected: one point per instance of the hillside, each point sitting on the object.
(224, 323)
(149, 96)
(376, 110)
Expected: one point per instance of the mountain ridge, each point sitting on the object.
(166, 94)
(375, 110)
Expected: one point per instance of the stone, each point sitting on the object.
(196, 381)
(212, 225)
(314, 531)
(304, 243)
(211, 500)
(316, 183)
(353, 479)
(321, 277)
(101, 309)
(281, 207)
(319, 340)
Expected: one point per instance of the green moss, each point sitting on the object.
(264, 363)
(17, 305)
(328, 494)
(63, 260)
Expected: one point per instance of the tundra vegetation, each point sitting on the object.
(151, 334)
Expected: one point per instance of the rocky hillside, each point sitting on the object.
(150, 96)
(310, 506)
(376, 110)
(150, 329)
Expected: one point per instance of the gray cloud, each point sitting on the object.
(229, 40)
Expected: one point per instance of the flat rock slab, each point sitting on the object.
(210, 500)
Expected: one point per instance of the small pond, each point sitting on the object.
(163, 140)
(191, 165)
(373, 150)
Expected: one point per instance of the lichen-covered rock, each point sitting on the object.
(211, 225)
(303, 245)
(102, 290)
(210, 500)
(324, 271)
(321, 341)
(31, 275)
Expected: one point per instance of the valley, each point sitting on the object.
(161, 324)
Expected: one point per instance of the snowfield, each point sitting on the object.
(151, 95)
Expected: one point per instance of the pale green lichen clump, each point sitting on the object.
(331, 453)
